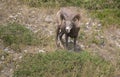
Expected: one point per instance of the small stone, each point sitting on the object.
(1, 62)
(20, 57)
(93, 23)
(82, 46)
(2, 71)
(87, 23)
(25, 51)
(11, 70)
(3, 58)
(14, 59)
(101, 37)
(19, 13)
(11, 16)
(48, 19)
(41, 51)
(99, 25)
(117, 44)
(51, 32)
(6, 49)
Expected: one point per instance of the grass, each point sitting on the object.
(5, 59)
(15, 35)
(4, 55)
(107, 17)
(93, 36)
(107, 11)
(88, 4)
(63, 64)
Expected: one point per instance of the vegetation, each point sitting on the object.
(3, 55)
(105, 10)
(15, 35)
(6, 59)
(63, 64)
(89, 4)
(107, 17)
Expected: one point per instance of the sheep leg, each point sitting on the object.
(61, 40)
(57, 33)
(75, 43)
(66, 39)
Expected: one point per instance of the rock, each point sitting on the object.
(7, 72)
(102, 37)
(41, 51)
(3, 58)
(6, 49)
(19, 13)
(82, 46)
(48, 19)
(25, 51)
(51, 32)
(117, 44)
(20, 57)
(93, 23)
(99, 25)
(1, 62)
(11, 16)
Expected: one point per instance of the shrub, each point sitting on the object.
(63, 64)
(14, 34)
(88, 4)
(107, 16)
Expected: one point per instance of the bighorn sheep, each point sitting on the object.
(68, 24)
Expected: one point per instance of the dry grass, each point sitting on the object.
(101, 40)
(65, 64)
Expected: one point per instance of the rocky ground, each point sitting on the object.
(36, 19)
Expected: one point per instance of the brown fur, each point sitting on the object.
(64, 15)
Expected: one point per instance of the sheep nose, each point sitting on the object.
(67, 29)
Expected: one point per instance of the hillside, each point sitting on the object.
(27, 36)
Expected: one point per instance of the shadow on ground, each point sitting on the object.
(71, 47)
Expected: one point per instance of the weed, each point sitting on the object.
(108, 17)
(63, 64)
(15, 34)
(88, 4)
(3, 58)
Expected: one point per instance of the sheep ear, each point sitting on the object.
(76, 17)
(62, 17)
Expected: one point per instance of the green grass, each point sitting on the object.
(15, 35)
(88, 4)
(63, 64)
(107, 17)
(5, 59)
(107, 11)
(5, 55)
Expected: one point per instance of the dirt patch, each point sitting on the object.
(106, 43)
